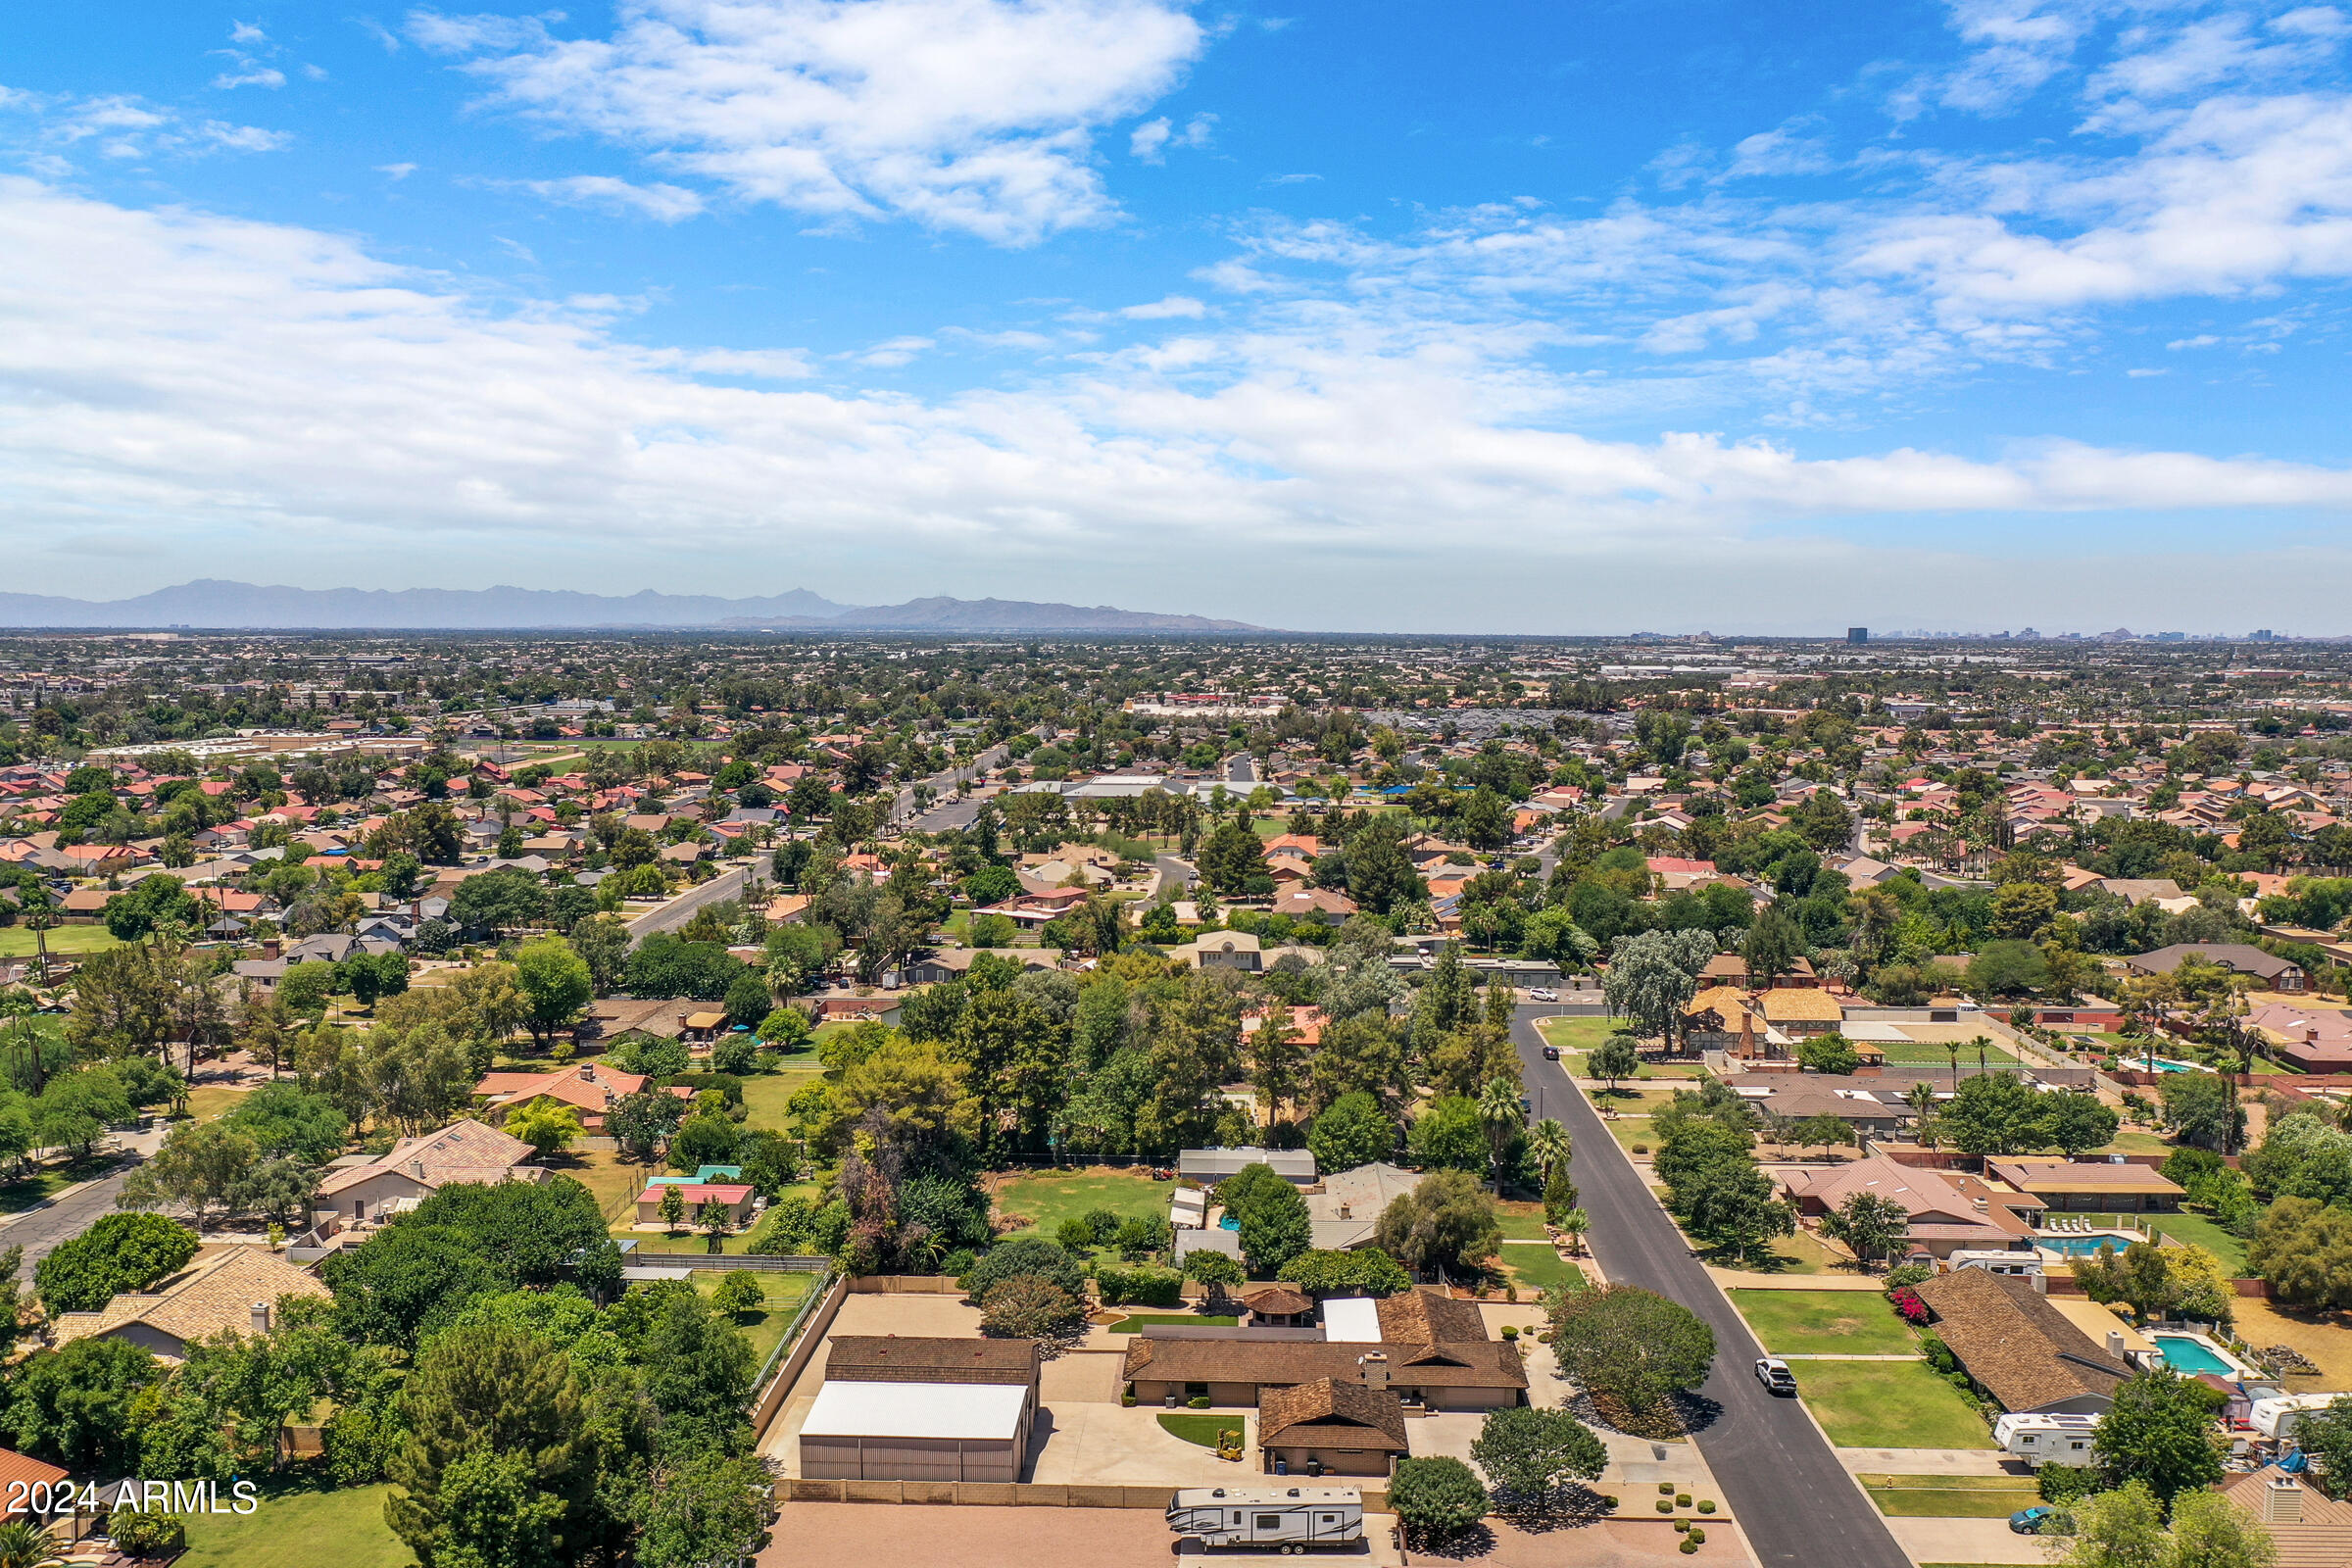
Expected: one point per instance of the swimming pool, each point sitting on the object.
(2083, 1245)
(1226, 1222)
(2185, 1355)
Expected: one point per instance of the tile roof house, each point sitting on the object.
(418, 1167)
(1949, 1211)
(590, 1087)
(916, 1358)
(236, 1290)
(1434, 1353)
(20, 1472)
(2022, 1351)
(2310, 1529)
(2314, 1039)
(2094, 1186)
(2280, 974)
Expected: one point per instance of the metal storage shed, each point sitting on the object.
(917, 1432)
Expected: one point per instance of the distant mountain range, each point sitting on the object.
(211, 604)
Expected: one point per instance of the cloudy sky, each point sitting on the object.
(1382, 315)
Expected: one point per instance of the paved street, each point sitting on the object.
(948, 812)
(680, 909)
(1792, 1497)
(41, 1231)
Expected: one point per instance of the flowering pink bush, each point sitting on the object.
(1906, 1302)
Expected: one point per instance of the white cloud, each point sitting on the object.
(251, 76)
(396, 171)
(1795, 148)
(1150, 141)
(205, 374)
(666, 204)
(973, 116)
(123, 129)
(1175, 305)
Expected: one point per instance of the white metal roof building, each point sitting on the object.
(917, 1432)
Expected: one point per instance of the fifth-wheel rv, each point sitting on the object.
(1292, 1518)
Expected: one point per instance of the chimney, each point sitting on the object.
(416, 1169)
(261, 1317)
(2115, 1344)
(2283, 1502)
(1376, 1369)
(587, 1072)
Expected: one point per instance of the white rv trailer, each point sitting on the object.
(2028, 1264)
(2048, 1439)
(1290, 1518)
(2278, 1416)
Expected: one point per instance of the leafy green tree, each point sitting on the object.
(2326, 1436)
(603, 943)
(1628, 1345)
(1445, 1226)
(2159, 1432)
(408, 1280)
(1353, 1131)
(549, 1126)
(2077, 1124)
(75, 1405)
(555, 984)
(2201, 1109)
(1831, 1053)
(202, 1165)
(642, 1122)
(1436, 1500)
(1028, 1306)
(1771, 947)
(1529, 1454)
(2304, 1249)
(1730, 1204)
(75, 1110)
(705, 1137)
(1232, 857)
(1994, 1114)
(711, 1508)
(1614, 1059)
(1213, 1269)
(1653, 976)
(285, 1119)
(1450, 1133)
(1872, 1224)
(1024, 1255)
(1275, 1226)
(120, 1252)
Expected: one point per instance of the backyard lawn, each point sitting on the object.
(1950, 1497)
(1521, 1221)
(2323, 1336)
(17, 942)
(785, 1292)
(1927, 1054)
(603, 1173)
(1044, 1199)
(1824, 1322)
(300, 1527)
(766, 1093)
(2195, 1229)
(1889, 1404)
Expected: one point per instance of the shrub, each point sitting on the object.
(1198, 1402)
(2065, 1483)
(1682, 1526)
(1023, 1254)
(1665, 1489)
(1908, 1275)
(1608, 1503)
(1027, 1307)
(1907, 1303)
(1939, 1355)
(1699, 1537)
(1436, 1498)
(1141, 1287)
(1706, 1505)
(1665, 1506)
(1510, 1330)
(959, 1262)
(1641, 1149)
(1681, 1500)
(1127, 1400)
(1074, 1234)
(1101, 1224)
(139, 1534)
(1687, 1547)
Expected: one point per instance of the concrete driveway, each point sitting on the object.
(1969, 1541)
(1105, 1443)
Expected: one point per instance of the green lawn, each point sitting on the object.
(2195, 1229)
(1631, 1130)
(1044, 1199)
(785, 1292)
(1889, 1404)
(1521, 1221)
(17, 942)
(213, 1099)
(1824, 1322)
(1923, 1053)
(299, 1528)
(765, 1093)
(1950, 1497)
(1578, 1034)
(1540, 1268)
(603, 1172)
(1135, 1322)
(1199, 1427)
(1801, 1253)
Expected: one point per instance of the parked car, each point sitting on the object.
(1551, 1052)
(2040, 1519)
(1774, 1374)
(1544, 994)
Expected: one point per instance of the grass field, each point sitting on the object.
(1950, 1497)
(299, 1528)
(1631, 1130)
(1577, 1034)
(2195, 1229)
(1199, 1427)
(1521, 1221)
(766, 1093)
(785, 1292)
(1889, 1404)
(1540, 1268)
(213, 1099)
(603, 1173)
(17, 942)
(1824, 1322)
(1044, 1201)
(1926, 1053)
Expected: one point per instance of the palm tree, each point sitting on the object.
(1952, 1049)
(1922, 1100)
(1498, 1108)
(24, 1545)
(1983, 1045)
(1548, 1140)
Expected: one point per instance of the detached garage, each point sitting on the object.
(917, 1432)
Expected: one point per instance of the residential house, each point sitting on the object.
(588, 1086)
(1333, 1426)
(235, 1288)
(1435, 1350)
(2309, 1527)
(2019, 1348)
(1209, 1167)
(2275, 974)
(949, 963)
(2313, 1038)
(415, 1168)
(1949, 1211)
(736, 1196)
(1802, 1011)
(2090, 1185)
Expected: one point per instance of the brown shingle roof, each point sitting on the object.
(1801, 1004)
(2323, 1537)
(462, 1152)
(2021, 1349)
(1332, 1413)
(896, 1358)
(1278, 1301)
(216, 1294)
(1424, 1316)
(1480, 1364)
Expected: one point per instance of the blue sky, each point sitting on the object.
(1464, 316)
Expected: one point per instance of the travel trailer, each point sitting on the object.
(2278, 1416)
(2048, 1439)
(1290, 1519)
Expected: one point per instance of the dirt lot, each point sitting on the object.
(2325, 1337)
(989, 1538)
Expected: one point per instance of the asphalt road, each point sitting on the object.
(1241, 768)
(680, 909)
(1173, 873)
(42, 1231)
(947, 813)
(1795, 1501)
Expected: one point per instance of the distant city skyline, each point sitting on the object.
(1501, 316)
